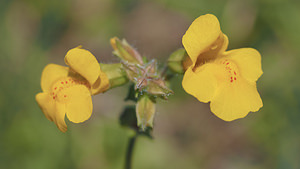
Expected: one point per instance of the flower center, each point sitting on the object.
(213, 51)
(231, 70)
(59, 87)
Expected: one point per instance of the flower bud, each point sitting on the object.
(124, 51)
(177, 60)
(145, 111)
(158, 87)
(132, 71)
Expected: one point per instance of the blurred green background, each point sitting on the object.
(186, 134)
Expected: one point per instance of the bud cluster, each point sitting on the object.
(149, 84)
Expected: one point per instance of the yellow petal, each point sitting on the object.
(201, 34)
(215, 51)
(113, 42)
(202, 83)
(47, 104)
(223, 43)
(78, 102)
(50, 74)
(101, 85)
(60, 114)
(83, 62)
(248, 61)
(235, 100)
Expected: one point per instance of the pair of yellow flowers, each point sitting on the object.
(227, 79)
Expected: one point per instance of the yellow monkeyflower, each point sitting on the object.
(68, 90)
(226, 79)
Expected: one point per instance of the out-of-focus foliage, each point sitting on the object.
(186, 134)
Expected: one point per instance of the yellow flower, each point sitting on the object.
(226, 79)
(68, 90)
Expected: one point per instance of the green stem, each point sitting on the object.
(129, 152)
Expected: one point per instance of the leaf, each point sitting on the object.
(131, 94)
(128, 118)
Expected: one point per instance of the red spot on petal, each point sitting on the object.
(66, 82)
(234, 73)
(53, 97)
(227, 63)
(62, 82)
(234, 78)
(65, 95)
(231, 81)
(231, 77)
(55, 88)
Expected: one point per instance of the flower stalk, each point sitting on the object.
(129, 151)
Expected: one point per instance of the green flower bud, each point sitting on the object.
(145, 111)
(158, 87)
(176, 61)
(124, 51)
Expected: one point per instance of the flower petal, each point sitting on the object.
(201, 34)
(47, 104)
(83, 62)
(78, 102)
(248, 61)
(202, 83)
(50, 74)
(101, 85)
(215, 51)
(235, 100)
(60, 114)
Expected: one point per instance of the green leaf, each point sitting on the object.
(131, 94)
(128, 118)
